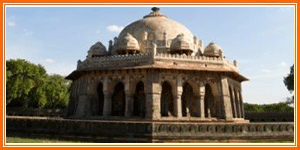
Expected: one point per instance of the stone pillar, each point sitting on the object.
(238, 107)
(153, 92)
(202, 95)
(221, 102)
(107, 98)
(177, 98)
(226, 98)
(107, 104)
(128, 104)
(153, 95)
(128, 97)
(234, 103)
(83, 106)
(241, 104)
(82, 103)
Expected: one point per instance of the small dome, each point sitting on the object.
(213, 50)
(128, 44)
(97, 50)
(181, 45)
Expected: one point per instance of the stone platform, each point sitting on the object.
(139, 131)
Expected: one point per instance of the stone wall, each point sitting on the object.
(115, 61)
(252, 116)
(146, 58)
(134, 131)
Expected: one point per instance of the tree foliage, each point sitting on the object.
(28, 85)
(57, 92)
(289, 80)
(23, 81)
(289, 83)
(281, 106)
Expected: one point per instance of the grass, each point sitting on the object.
(17, 139)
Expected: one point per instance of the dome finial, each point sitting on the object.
(155, 13)
(155, 9)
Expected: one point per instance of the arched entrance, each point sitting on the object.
(187, 100)
(209, 101)
(237, 107)
(118, 100)
(139, 100)
(166, 100)
(100, 98)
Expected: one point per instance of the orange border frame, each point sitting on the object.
(145, 2)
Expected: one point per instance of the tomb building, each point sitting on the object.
(156, 69)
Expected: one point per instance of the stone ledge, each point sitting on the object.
(151, 131)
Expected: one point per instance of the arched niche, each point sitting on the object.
(187, 101)
(100, 99)
(166, 100)
(139, 104)
(237, 106)
(118, 100)
(209, 102)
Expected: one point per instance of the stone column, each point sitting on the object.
(153, 95)
(128, 104)
(177, 98)
(226, 98)
(107, 98)
(202, 95)
(241, 104)
(239, 110)
(128, 97)
(82, 109)
(82, 103)
(107, 104)
(234, 103)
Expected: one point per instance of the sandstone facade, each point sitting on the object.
(157, 70)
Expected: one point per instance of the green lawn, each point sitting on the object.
(15, 139)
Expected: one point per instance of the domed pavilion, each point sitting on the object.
(156, 69)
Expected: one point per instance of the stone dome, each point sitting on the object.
(213, 50)
(128, 44)
(156, 27)
(97, 50)
(181, 45)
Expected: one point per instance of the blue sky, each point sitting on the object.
(261, 39)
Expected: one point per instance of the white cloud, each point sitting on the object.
(115, 28)
(282, 64)
(266, 70)
(11, 24)
(49, 60)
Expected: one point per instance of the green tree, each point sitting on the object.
(281, 106)
(28, 85)
(289, 83)
(24, 83)
(289, 80)
(57, 92)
